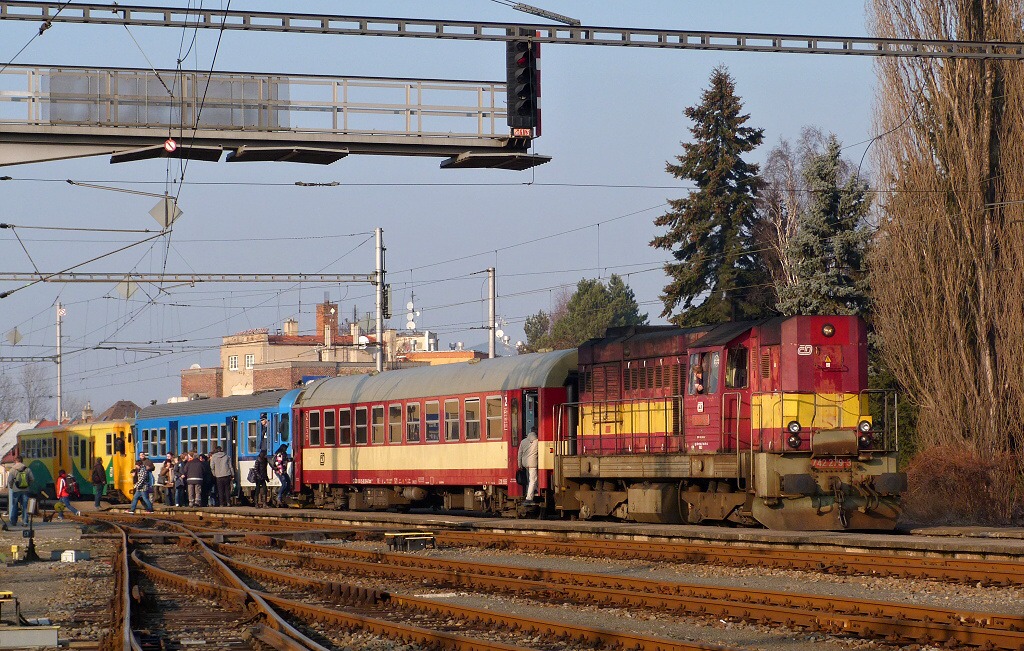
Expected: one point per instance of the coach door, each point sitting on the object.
(172, 438)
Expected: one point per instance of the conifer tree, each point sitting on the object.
(716, 276)
(827, 252)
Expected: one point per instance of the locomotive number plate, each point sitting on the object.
(832, 464)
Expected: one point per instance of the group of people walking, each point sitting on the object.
(190, 479)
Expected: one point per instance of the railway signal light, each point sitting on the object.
(523, 88)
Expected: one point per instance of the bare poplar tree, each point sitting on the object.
(35, 391)
(947, 266)
(9, 398)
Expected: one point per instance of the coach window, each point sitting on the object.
(204, 439)
(360, 425)
(252, 429)
(330, 433)
(494, 417)
(395, 423)
(313, 427)
(163, 442)
(345, 426)
(451, 420)
(432, 415)
(472, 419)
(736, 368)
(378, 424)
(412, 422)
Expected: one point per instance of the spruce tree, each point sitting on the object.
(716, 275)
(828, 249)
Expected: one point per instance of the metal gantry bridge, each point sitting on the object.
(55, 112)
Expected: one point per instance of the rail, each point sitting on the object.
(74, 96)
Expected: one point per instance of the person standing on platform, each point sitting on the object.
(262, 476)
(165, 481)
(19, 478)
(223, 474)
(194, 479)
(528, 455)
(99, 481)
(281, 470)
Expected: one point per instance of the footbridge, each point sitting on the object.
(60, 112)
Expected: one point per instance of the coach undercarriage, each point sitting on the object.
(483, 499)
(681, 488)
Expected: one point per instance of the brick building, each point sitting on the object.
(256, 360)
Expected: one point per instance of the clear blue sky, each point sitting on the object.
(612, 117)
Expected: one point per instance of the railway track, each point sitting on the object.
(306, 569)
(988, 571)
(186, 594)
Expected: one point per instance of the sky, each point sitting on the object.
(612, 118)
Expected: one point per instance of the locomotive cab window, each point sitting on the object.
(704, 372)
(736, 368)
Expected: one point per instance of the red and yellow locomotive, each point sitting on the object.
(768, 421)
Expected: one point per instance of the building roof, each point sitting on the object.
(9, 436)
(120, 410)
(534, 370)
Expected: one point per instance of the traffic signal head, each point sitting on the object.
(521, 67)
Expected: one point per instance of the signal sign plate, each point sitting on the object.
(522, 133)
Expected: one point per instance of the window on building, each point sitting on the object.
(330, 431)
(451, 420)
(412, 422)
(313, 427)
(345, 426)
(395, 423)
(378, 424)
(232, 362)
(250, 361)
(361, 426)
(472, 419)
(432, 414)
(494, 417)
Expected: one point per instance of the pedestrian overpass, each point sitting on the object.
(59, 112)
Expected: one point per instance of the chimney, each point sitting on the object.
(87, 413)
(327, 321)
(291, 327)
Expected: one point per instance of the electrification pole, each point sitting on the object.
(60, 315)
(492, 325)
(380, 298)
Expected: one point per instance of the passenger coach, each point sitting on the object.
(444, 435)
(233, 423)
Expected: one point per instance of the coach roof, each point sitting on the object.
(489, 375)
(264, 400)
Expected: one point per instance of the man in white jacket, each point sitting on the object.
(528, 460)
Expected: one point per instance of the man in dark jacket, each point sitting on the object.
(194, 479)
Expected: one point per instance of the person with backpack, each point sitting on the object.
(260, 476)
(99, 481)
(18, 481)
(143, 481)
(66, 488)
(281, 460)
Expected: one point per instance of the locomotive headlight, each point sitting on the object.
(828, 329)
(793, 427)
(865, 441)
(864, 426)
(794, 441)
